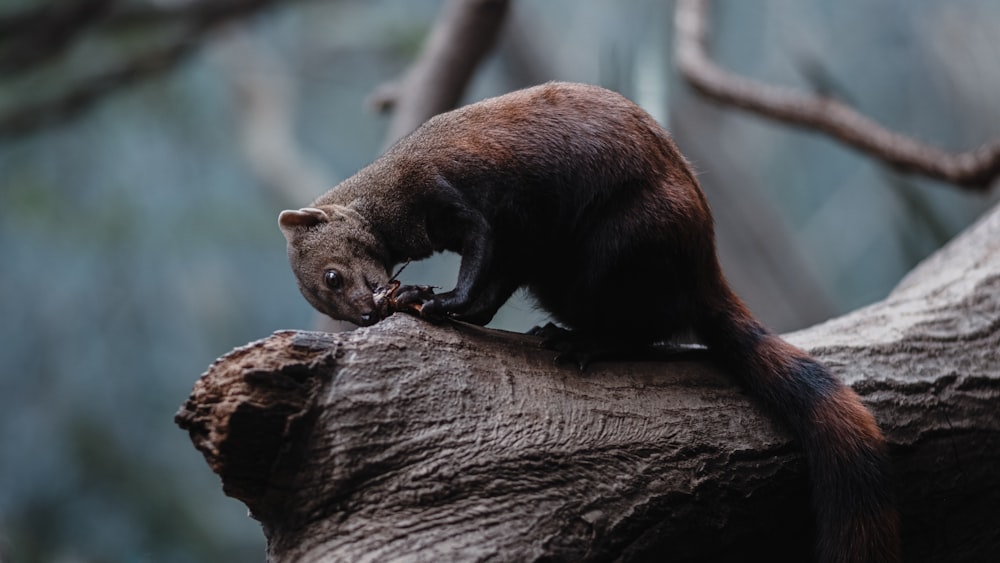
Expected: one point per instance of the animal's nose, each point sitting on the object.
(368, 318)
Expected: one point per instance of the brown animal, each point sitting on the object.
(577, 194)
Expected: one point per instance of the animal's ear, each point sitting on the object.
(291, 220)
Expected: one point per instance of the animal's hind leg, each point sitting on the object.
(583, 349)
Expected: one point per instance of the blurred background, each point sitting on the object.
(145, 154)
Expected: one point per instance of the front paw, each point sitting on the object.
(443, 306)
(413, 296)
(421, 299)
(406, 298)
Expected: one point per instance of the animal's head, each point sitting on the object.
(337, 261)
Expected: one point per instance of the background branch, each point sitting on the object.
(463, 34)
(265, 95)
(973, 170)
(38, 33)
(36, 37)
(31, 115)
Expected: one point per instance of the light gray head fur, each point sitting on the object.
(338, 262)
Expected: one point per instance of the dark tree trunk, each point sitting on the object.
(413, 441)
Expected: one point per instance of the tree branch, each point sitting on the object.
(264, 94)
(31, 116)
(408, 440)
(974, 170)
(42, 34)
(463, 34)
(39, 33)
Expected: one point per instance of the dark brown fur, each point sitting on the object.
(579, 195)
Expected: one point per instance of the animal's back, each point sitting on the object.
(573, 135)
(582, 187)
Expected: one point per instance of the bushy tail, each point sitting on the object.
(848, 463)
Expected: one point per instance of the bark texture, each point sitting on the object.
(412, 441)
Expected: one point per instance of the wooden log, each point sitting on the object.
(410, 441)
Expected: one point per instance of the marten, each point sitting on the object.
(580, 196)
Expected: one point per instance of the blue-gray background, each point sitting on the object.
(138, 242)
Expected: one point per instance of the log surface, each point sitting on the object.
(410, 441)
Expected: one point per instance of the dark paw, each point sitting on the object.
(549, 331)
(573, 347)
(434, 310)
(410, 295)
(394, 297)
(570, 347)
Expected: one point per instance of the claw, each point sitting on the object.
(431, 311)
(408, 298)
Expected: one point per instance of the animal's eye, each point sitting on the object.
(333, 279)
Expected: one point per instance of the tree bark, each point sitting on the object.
(419, 442)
